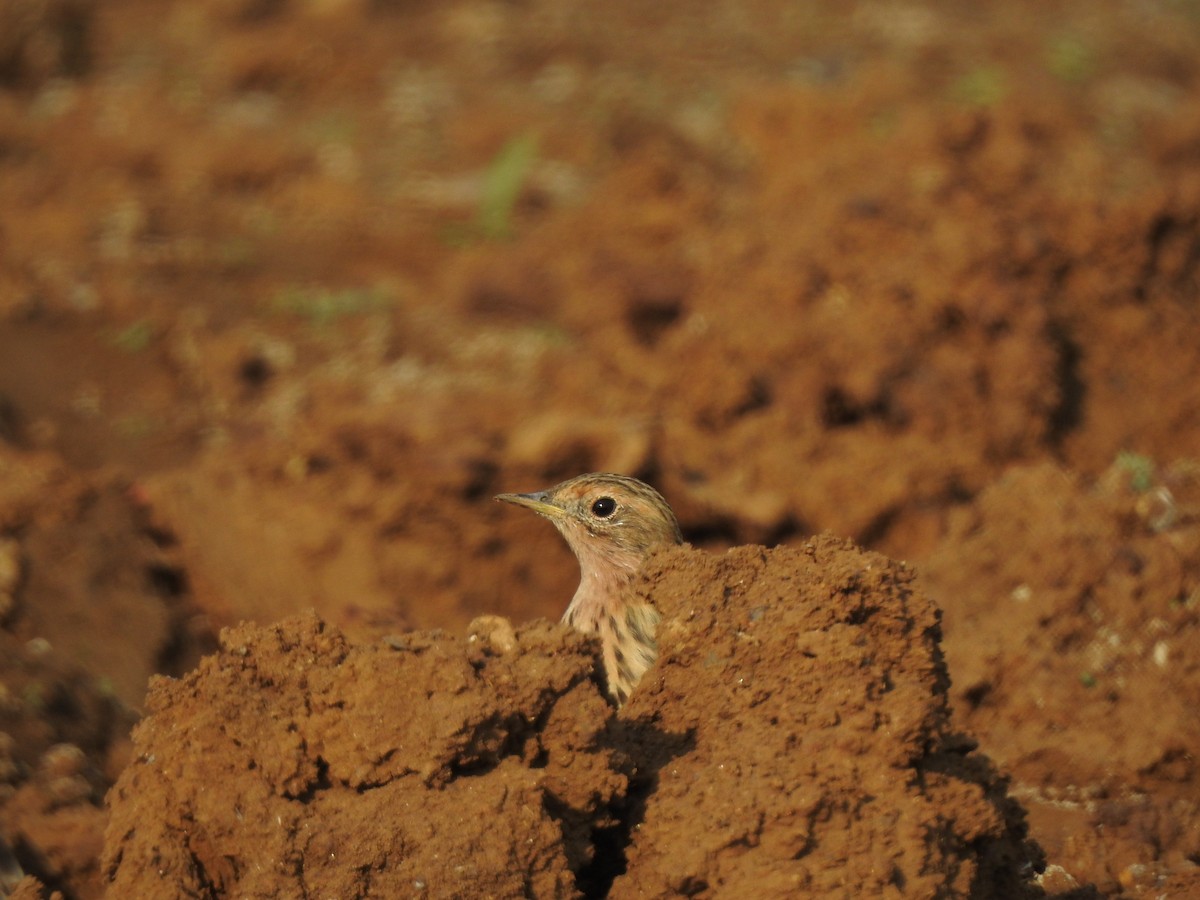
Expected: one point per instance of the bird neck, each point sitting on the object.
(602, 581)
(602, 605)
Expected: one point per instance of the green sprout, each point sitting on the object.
(134, 338)
(1069, 58)
(982, 86)
(1140, 469)
(324, 305)
(502, 186)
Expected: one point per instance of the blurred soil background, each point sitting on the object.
(290, 288)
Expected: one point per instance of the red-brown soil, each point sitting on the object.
(273, 331)
(794, 737)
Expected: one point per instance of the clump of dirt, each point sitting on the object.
(795, 731)
(807, 689)
(1070, 611)
(30, 888)
(461, 767)
(72, 581)
(341, 529)
(41, 39)
(82, 572)
(63, 740)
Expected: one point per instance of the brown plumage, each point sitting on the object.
(611, 523)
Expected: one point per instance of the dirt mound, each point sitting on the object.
(63, 739)
(83, 573)
(459, 767)
(1068, 615)
(289, 289)
(798, 713)
(808, 690)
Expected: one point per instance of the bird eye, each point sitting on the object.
(604, 507)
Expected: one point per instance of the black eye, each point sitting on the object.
(604, 507)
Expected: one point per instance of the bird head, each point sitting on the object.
(607, 520)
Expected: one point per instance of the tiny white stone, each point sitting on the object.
(1159, 654)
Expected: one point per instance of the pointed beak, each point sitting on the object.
(538, 502)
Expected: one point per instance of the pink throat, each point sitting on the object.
(601, 583)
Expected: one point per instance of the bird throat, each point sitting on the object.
(604, 604)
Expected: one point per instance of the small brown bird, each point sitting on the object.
(611, 523)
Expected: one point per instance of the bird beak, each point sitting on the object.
(537, 502)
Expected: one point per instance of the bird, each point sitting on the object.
(611, 523)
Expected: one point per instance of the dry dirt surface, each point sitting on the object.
(799, 712)
(290, 288)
